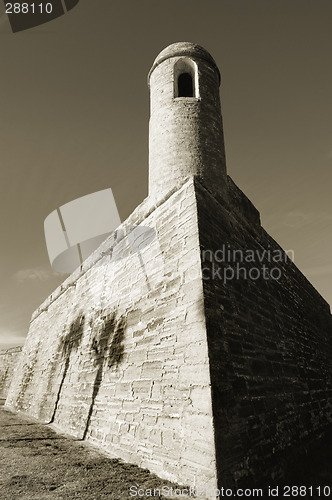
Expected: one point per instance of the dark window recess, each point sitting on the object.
(185, 85)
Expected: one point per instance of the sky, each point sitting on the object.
(74, 120)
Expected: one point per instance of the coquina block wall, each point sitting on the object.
(8, 362)
(118, 353)
(149, 352)
(269, 344)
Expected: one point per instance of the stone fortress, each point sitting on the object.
(155, 357)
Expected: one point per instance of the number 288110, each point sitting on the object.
(28, 8)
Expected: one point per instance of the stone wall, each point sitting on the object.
(197, 379)
(270, 348)
(118, 353)
(8, 361)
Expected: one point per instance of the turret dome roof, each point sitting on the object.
(186, 49)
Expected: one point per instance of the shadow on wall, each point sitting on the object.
(106, 352)
(69, 343)
(3, 382)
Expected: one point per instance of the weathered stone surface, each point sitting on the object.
(109, 359)
(270, 353)
(8, 361)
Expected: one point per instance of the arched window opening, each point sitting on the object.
(185, 78)
(185, 85)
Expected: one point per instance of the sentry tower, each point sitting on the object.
(186, 132)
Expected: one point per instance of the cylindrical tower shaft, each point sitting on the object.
(186, 133)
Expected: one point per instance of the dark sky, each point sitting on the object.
(74, 120)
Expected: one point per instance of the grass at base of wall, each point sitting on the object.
(37, 463)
